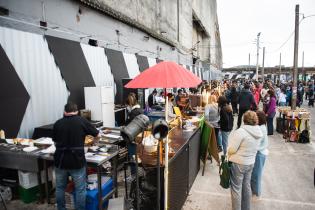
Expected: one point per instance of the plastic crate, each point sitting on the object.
(92, 196)
(29, 195)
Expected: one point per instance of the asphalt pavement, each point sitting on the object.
(288, 179)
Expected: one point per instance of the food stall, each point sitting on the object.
(36, 156)
(183, 164)
(294, 124)
(176, 169)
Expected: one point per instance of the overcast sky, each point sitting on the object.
(241, 20)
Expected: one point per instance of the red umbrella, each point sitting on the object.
(165, 74)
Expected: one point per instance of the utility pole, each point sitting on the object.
(280, 70)
(303, 70)
(257, 44)
(263, 67)
(249, 60)
(295, 61)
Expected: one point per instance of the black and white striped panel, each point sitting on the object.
(142, 62)
(119, 70)
(98, 64)
(14, 97)
(73, 66)
(132, 65)
(35, 66)
(151, 61)
(52, 71)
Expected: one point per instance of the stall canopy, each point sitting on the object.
(165, 74)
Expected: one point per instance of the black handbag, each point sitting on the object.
(304, 137)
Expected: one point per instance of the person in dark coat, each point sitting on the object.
(234, 99)
(246, 102)
(311, 94)
(227, 93)
(151, 99)
(69, 135)
(289, 96)
(177, 97)
(134, 110)
(226, 121)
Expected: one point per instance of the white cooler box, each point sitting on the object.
(28, 180)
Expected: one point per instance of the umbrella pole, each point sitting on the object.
(166, 176)
(166, 162)
(166, 108)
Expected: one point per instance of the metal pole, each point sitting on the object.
(295, 62)
(137, 176)
(280, 70)
(263, 66)
(158, 199)
(303, 70)
(249, 60)
(166, 162)
(258, 35)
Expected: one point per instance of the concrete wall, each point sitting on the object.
(163, 16)
(185, 23)
(207, 32)
(215, 42)
(148, 27)
(202, 10)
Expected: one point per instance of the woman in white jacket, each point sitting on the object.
(242, 149)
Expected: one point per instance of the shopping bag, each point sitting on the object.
(224, 171)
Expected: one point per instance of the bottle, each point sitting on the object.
(180, 122)
(2, 135)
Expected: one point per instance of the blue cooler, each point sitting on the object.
(92, 196)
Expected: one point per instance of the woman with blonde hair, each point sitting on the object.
(212, 116)
(133, 110)
(242, 148)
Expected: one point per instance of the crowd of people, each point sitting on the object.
(246, 144)
(246, 147)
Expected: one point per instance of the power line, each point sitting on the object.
(286, 41)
